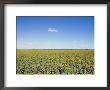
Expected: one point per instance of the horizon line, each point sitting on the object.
(62, 49)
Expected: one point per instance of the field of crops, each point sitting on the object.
(57, 62)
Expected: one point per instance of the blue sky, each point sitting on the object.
(55, 32)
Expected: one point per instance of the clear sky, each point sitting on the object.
(55, 32)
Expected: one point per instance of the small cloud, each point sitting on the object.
(21, 39)
(28, 43)
(75, 42)
(52, 30)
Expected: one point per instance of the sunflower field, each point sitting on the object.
(58, 62)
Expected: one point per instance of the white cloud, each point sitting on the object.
(24, 45)
(80, 45)
(52, 30)
(75, 42)
(21, 39)
(28, 43)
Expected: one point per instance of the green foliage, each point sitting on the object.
(55, 62)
